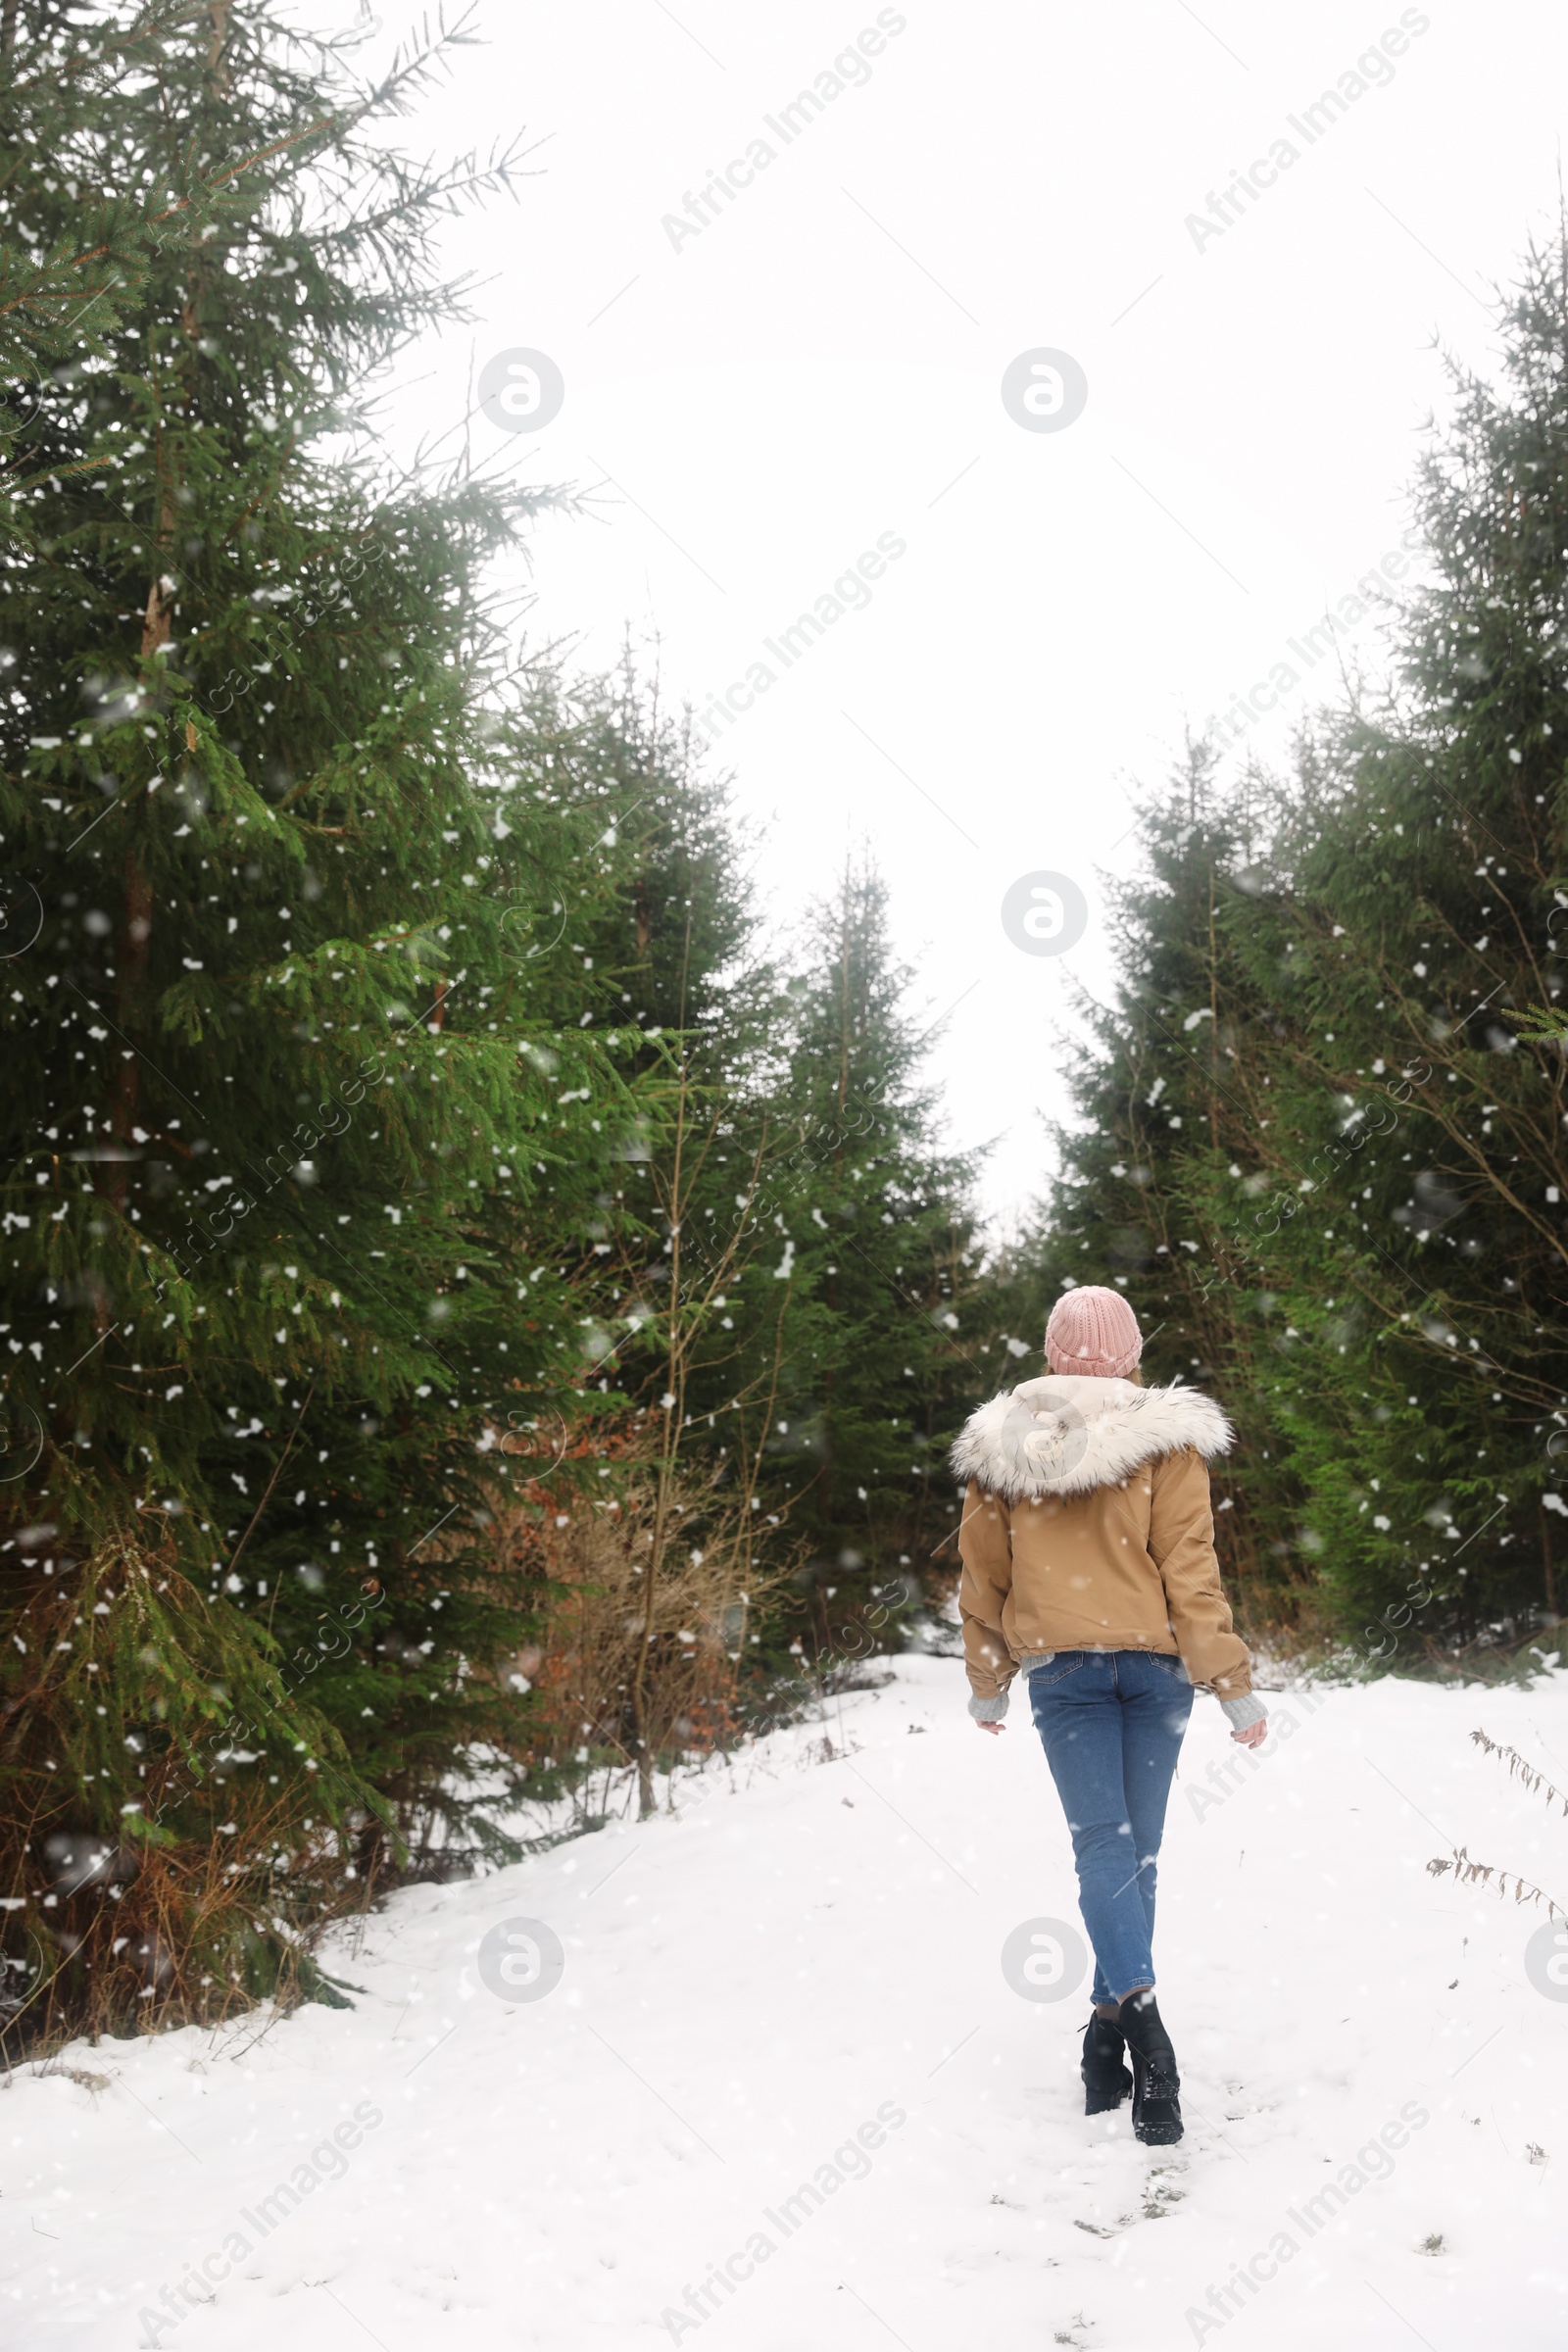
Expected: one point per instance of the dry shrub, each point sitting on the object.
(652, 1597)
(1468, 1873)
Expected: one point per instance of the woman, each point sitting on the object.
(1088, 1550)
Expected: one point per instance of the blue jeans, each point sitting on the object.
(1111, 1722)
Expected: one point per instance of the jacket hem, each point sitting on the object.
(1249, 1708)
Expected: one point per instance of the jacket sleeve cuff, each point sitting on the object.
(1245, 1710)
(989, 1710)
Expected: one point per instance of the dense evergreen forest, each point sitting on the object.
(484, 1313)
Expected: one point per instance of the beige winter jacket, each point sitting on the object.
(1087, 1526)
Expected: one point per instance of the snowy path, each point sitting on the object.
(816, 1947)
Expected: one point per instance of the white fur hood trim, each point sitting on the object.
(1068, 1433)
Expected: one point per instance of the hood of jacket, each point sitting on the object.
(1068, 1433)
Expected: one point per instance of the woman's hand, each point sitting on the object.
(990, 1727)
(1254, 1734)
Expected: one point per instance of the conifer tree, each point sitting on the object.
(1421, 867)
(1376, 1198)
(877, 1231)
(1148, 1185)
(303, 1152)
(812, 1245)
(698, 1323)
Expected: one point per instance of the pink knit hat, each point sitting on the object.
(1095, 1332)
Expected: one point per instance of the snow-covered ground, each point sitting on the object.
(798, 1980)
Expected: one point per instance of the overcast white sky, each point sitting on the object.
(822, 364)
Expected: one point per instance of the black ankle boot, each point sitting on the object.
(1107, 2081)
(1156, 2086)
